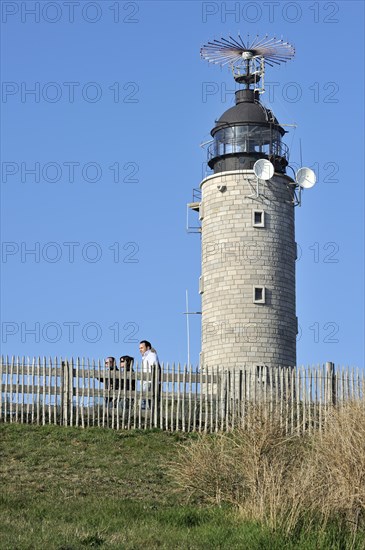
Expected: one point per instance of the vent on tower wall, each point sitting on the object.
(258, 218)
(258, 294)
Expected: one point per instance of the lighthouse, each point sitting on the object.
(247, 282)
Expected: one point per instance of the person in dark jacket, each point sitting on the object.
(126, 366)
(110, 380)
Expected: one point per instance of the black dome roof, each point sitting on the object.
(248, 110)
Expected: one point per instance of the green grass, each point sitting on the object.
(68, 488)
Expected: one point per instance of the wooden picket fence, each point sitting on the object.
(172, 397)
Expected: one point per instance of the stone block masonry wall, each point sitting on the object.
(238, 256)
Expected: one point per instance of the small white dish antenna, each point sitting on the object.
(263, 169)
(306, 178)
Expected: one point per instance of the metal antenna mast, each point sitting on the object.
(247, 59)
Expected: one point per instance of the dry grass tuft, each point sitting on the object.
(280, 480)
(251, 469)
(336, 471)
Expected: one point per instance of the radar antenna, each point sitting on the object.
(248, 59)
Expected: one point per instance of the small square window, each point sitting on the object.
(258, 218)
(259, 294)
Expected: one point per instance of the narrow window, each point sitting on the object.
(201, 284)
(258, 218)
(259, 294)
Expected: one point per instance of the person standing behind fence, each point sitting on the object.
(126, 366)
(149, 359)
(110, 381)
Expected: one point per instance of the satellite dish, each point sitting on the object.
(306, 178)
(263, 169)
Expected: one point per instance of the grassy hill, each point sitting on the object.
(68, 488)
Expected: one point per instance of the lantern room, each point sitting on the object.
(245, 133)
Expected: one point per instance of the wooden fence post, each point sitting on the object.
(156, 394)
(67, 392)
(331, 383)
(62, 393)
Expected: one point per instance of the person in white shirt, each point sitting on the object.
(149, 359)
(149, 356)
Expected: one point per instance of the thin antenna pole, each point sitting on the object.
(187, 325)
(300, 151)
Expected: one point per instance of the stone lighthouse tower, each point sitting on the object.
(247, 282)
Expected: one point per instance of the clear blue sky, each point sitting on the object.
(120, 85)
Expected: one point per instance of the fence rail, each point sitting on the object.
(171, 397)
